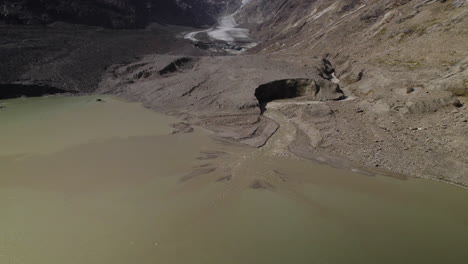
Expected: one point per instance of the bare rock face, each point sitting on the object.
(112, 13)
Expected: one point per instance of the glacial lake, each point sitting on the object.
(106, 182)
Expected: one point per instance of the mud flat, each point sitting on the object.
(105, 181)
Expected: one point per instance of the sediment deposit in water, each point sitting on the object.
(108, 182)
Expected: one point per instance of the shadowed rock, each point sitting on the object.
(181, 127)
(8, 91)
(291, 88)
(181, 64)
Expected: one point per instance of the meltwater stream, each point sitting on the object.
(106, 182)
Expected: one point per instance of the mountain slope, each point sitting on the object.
(418, 37)
(403, 65)
(112, 13)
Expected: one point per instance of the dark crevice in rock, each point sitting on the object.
(457, 104)
(341, 98)
(143, 74)
(308, 89)
(191, 90)
(326, 70)
(283, 89)
(14, 90)
(360, 75)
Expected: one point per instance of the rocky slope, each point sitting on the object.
(404, 63)
(232, 97)
(424, 39)
(40, 51)
(401, 65)
(113, 13)
(72, 58)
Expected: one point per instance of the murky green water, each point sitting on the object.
(105, 182)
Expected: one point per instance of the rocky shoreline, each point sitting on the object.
(340, 129)
(332, 126)
(378, 104)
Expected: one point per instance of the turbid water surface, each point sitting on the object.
(83, 181)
